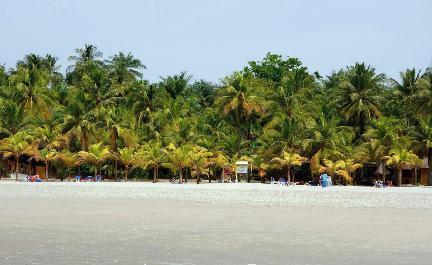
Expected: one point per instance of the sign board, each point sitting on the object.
(242, 167)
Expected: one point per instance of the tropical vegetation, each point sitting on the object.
(102, 117)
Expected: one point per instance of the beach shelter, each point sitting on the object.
(241, 168)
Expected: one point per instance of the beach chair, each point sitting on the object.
(89, 178)
(98, 178)
(77, 178)
(282, 182)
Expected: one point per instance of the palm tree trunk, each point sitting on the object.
(239, 139)
(198, 176)
(46, 170)
(293, 175)
(415, 175)
(16, 167)
(181, 176)
(430, 166)
(126, 173)
(289, 174)
(154, 174)
(209, 175)
(399, 177)
(115, 170)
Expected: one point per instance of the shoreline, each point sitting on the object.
(255, 194)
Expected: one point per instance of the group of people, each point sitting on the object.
(34, 178)
(96, 178)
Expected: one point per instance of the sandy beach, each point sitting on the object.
(144, 223)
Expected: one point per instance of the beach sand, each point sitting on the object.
(144, 223)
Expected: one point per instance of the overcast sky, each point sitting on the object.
(210, 39)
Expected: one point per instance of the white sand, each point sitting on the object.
(144, 223)
(233, 193)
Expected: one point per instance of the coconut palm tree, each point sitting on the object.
(401, 158)
(199, 161)
(12, 118)
(178, 158)
(130, 158)
(359, 94)
(79, 121)
(96, 155)
(46, 156)
(31, 90)
(237, 100)
(15, 146)
(288, 160)
(125, 68)
(176, 84)
(154, 156)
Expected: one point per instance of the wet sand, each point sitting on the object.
(45, 228)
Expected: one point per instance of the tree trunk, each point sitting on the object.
(199, 176)
(181, 176)
(126, 173)
(384, 173)
(46, 170)
(96, 170)
(399, 177)
(16, 167)
(289, 174)
(238, 140)
(209, 175)
(115, 170)
(293, 175)
(415, 175)
(154, 174)
(430, 166)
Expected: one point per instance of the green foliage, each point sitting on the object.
(103, 115)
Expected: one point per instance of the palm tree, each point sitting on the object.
(87, 54)
(384, 133)
(341, 168)
(422, 98)
(79, 121)
(130, 158)
(178, 158)
(199, 160)
(31, 89)
(237, 100)
(324, 137)
(288, 160)
(154, 156)
(359, 94)
(175, 85)
(15, 146)
(259, 163)
(125, 68)
(96, 155)
(45, 155)
(12, 118)
(401, 158)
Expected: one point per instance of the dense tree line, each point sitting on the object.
(103, 117)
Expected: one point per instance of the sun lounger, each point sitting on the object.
(77, 178)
